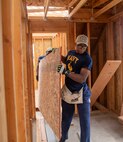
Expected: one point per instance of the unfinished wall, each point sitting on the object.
(109, 46)
(39, 49)
(41, 44)
(57, 26)
(18, 96)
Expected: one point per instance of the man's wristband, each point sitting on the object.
(67, 73)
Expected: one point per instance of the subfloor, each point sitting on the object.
(105, 127)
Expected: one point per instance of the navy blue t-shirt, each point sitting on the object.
(40, 58)
(74, 63)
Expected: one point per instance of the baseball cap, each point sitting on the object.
(49, 49)
(82, 39)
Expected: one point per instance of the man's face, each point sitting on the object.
(80, 48)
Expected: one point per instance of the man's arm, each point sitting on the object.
(63, 59)
(80, 78)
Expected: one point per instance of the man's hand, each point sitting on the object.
(61, 69)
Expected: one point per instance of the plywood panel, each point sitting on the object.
(107, 72)
(49, 90)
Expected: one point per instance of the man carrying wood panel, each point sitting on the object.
(75, 91)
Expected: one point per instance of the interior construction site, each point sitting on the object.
(30, 110)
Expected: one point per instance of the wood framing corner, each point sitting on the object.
(105, 75)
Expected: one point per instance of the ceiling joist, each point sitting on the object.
(99, 2)
(46, 6)
(72, 3)
(78, 6)
(106, 8)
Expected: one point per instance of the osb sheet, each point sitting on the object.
(49, 90)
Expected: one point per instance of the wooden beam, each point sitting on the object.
(17, 70)
(99, 2)
(105, 75)
(106, 8)
(78, 6)
(110, 89)
(72, 3)
(3, 115)
(8, 69)
(88, 34)
(46, 6)
(31, 74)
(25, 80)
(49, 26)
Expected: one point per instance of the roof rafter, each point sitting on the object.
(72, 3)
(107, 7)
(99, 2)
(46, 6)
(78, 6)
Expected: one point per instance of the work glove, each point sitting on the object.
(61, 69)
(53, 50)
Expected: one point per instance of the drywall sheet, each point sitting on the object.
(49, 90)
(104, 77)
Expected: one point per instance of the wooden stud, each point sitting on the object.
(110, 56)
(17, 70)
(24, 77)
(121, 36)
(101, 60)
(8, 70)
(3, 117)
(88, 34)
(118, 56)
(31, 75)
(70, 37)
